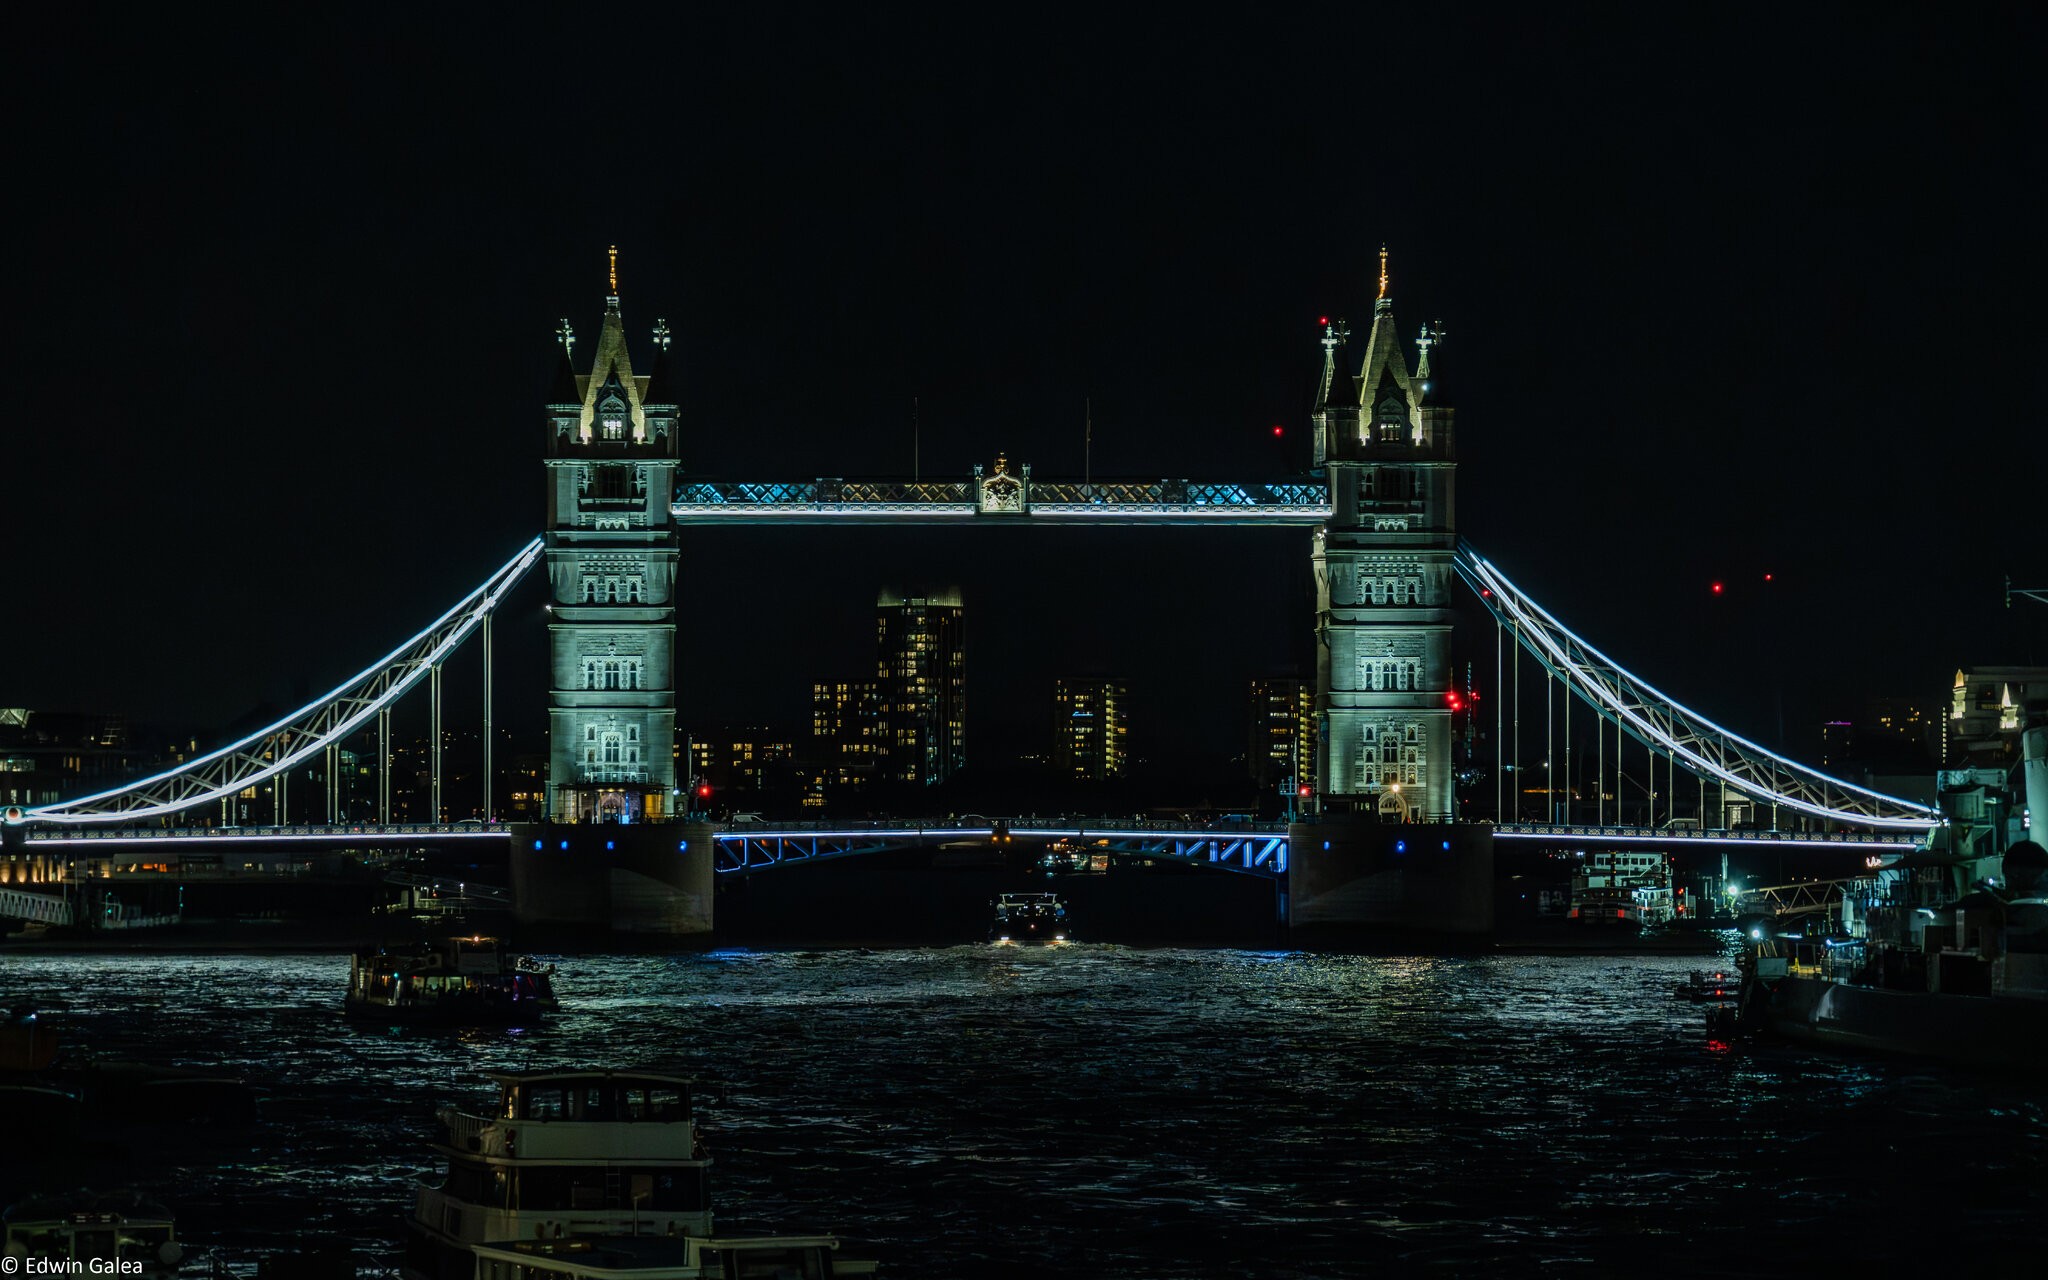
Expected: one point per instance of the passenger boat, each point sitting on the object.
(586, 1173)
(1029, 917)
(83, 1233)
(1943, 953)
(454, 982)
(1628, 888)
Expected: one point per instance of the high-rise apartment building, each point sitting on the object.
(846, 731)
(921, 667)
(1091, 727)
(909, 723)
(1281, 738)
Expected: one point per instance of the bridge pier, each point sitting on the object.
(1359, 882)
(640, 878)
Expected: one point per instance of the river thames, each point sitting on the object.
(1096, 1110)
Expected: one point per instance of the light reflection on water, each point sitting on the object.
(1107, 1111)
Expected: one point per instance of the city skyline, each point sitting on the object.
(318, 423)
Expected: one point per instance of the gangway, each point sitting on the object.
(36, 908)
(1804, 898)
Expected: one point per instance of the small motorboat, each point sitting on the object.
(1030, 917)
(458, 982)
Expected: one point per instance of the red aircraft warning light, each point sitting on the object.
(1278, 431)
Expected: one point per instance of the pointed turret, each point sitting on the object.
(1336, 411)
(611, 373)
(1335, 389)
(1390, 397)
(564, 390)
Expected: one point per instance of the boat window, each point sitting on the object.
(547, 1103)
(667, 1104)
(510, 1110)
(465, 1182)
(777, 1263)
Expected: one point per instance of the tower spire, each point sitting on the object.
(615, 271)
(1383, 272)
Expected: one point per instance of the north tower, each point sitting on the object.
(611, 556)
(1383, 570)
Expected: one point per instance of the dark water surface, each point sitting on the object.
(1103, 1111)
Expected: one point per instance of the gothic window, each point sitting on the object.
(614, 745)
(612, 418)
(1368, 483)
(1392, 417)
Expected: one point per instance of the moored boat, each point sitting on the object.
(1942, 954)
(454, 982)
(1701, 986)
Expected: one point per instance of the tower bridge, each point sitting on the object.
(1379, 511)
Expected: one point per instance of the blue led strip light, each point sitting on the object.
(306, 732)
(1697, 742)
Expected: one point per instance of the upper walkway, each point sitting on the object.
(1000, 498)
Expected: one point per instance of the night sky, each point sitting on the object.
(1756, 295)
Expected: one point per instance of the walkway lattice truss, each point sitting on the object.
(1694, 741)
(305, 732)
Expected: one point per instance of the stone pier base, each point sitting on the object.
(650, 878)
(1367, 883)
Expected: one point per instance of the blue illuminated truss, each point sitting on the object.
(1258, 849)
(304, 733)
(1695, 742)
(837, 501)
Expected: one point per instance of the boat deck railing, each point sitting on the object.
(462, 1126)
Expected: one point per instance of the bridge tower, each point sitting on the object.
(611, 559)
(1383, 569)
